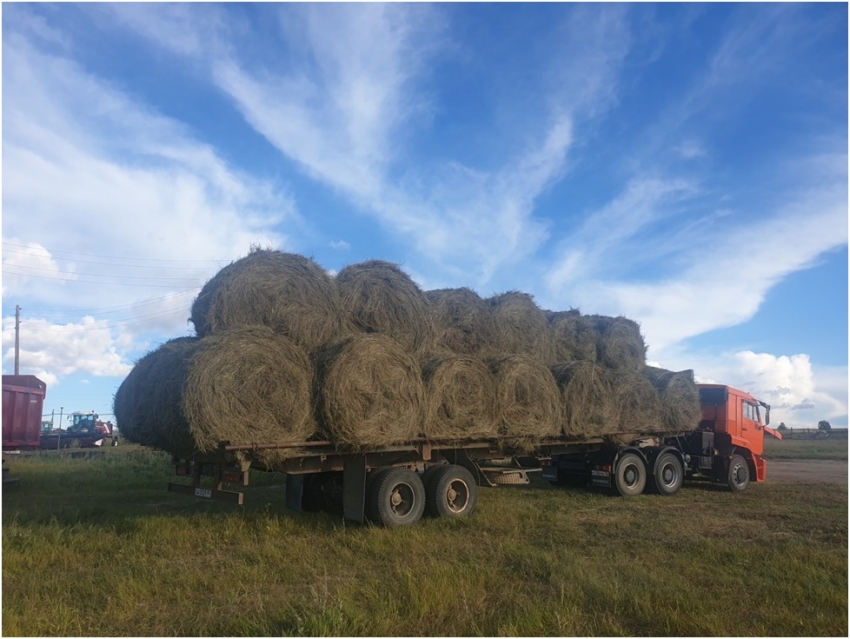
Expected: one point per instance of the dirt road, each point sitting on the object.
(807, 470)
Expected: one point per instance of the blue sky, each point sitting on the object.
(683, 165)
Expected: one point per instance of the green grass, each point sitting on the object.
(97, 547)
(834, 449)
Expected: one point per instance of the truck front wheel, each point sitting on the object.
(396, 497)
(630, 477)
(452, 492)
(739, 473)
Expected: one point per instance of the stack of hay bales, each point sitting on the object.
(285, 353)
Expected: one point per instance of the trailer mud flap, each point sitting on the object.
(354, 488)
(600, 478)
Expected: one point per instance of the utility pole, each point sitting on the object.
(17, 339)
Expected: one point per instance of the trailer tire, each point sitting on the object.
(738, 474)
(630, 476)
(667, 474)
(452, 492)
(428, 475)
(396, 498)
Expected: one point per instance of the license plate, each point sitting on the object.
(600, 478)
(203, 492)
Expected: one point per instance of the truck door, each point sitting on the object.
(750, 421)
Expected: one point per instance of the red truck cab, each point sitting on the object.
(737, 423)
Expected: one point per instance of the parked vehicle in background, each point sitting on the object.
(85, 431)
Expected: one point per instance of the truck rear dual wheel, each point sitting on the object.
(451, 491)
(630, 475)
(668, 474)
(396, 497)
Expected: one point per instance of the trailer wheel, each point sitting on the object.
(630, 478)
(452, 492)
(396, 497)
(668, 474)
(739, 474)
(429, 473)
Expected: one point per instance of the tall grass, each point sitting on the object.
(97, 547)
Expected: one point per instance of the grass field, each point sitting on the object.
(97, 547)
(835, 449)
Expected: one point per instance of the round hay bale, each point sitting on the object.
(638, 404)
(289, 293)
(679, 395)
(148, 404)
(370, 392)
(521, 327)
(463, 321)
(587, 395)
(621, 346)
(249, 385)
(529, 399)
(378, 297)
(461, 399)
(574, 335)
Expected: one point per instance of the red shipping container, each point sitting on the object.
(23, 403)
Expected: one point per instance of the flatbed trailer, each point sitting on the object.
(396, 485)
(320, 476)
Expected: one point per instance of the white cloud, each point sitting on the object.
(340, 245)
(123, 181)
(798, 394)
(52, 351)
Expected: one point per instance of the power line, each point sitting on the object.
(77, 281)
(129, 277)
(117, 257)
(170, 267)
(115, 309)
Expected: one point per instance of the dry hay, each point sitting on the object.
(370, 392)
(378, 297)
(638, 404)
(148, 406)
(286, 292)
(249, 385)
(461, 399)
(521, 327)
(679, 395)
(463, 321)
(574, 335)
(587, 395)
(529, 399)
(621, 346)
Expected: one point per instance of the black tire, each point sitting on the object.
(429, 473)
(738, 474)
(630, 476)
(396, 498)
(114, 441)
(668, 474)
(452, 492)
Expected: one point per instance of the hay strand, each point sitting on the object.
(529, 398)
(587, 395)
(148, 406)
(378, 297)
(461, 398)
(574, 335)
(679, 396)
(249, 385)
(370, 392)
(463, 321)
(638, 404)
(289, 293)
(521, 327)
(621, 346)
